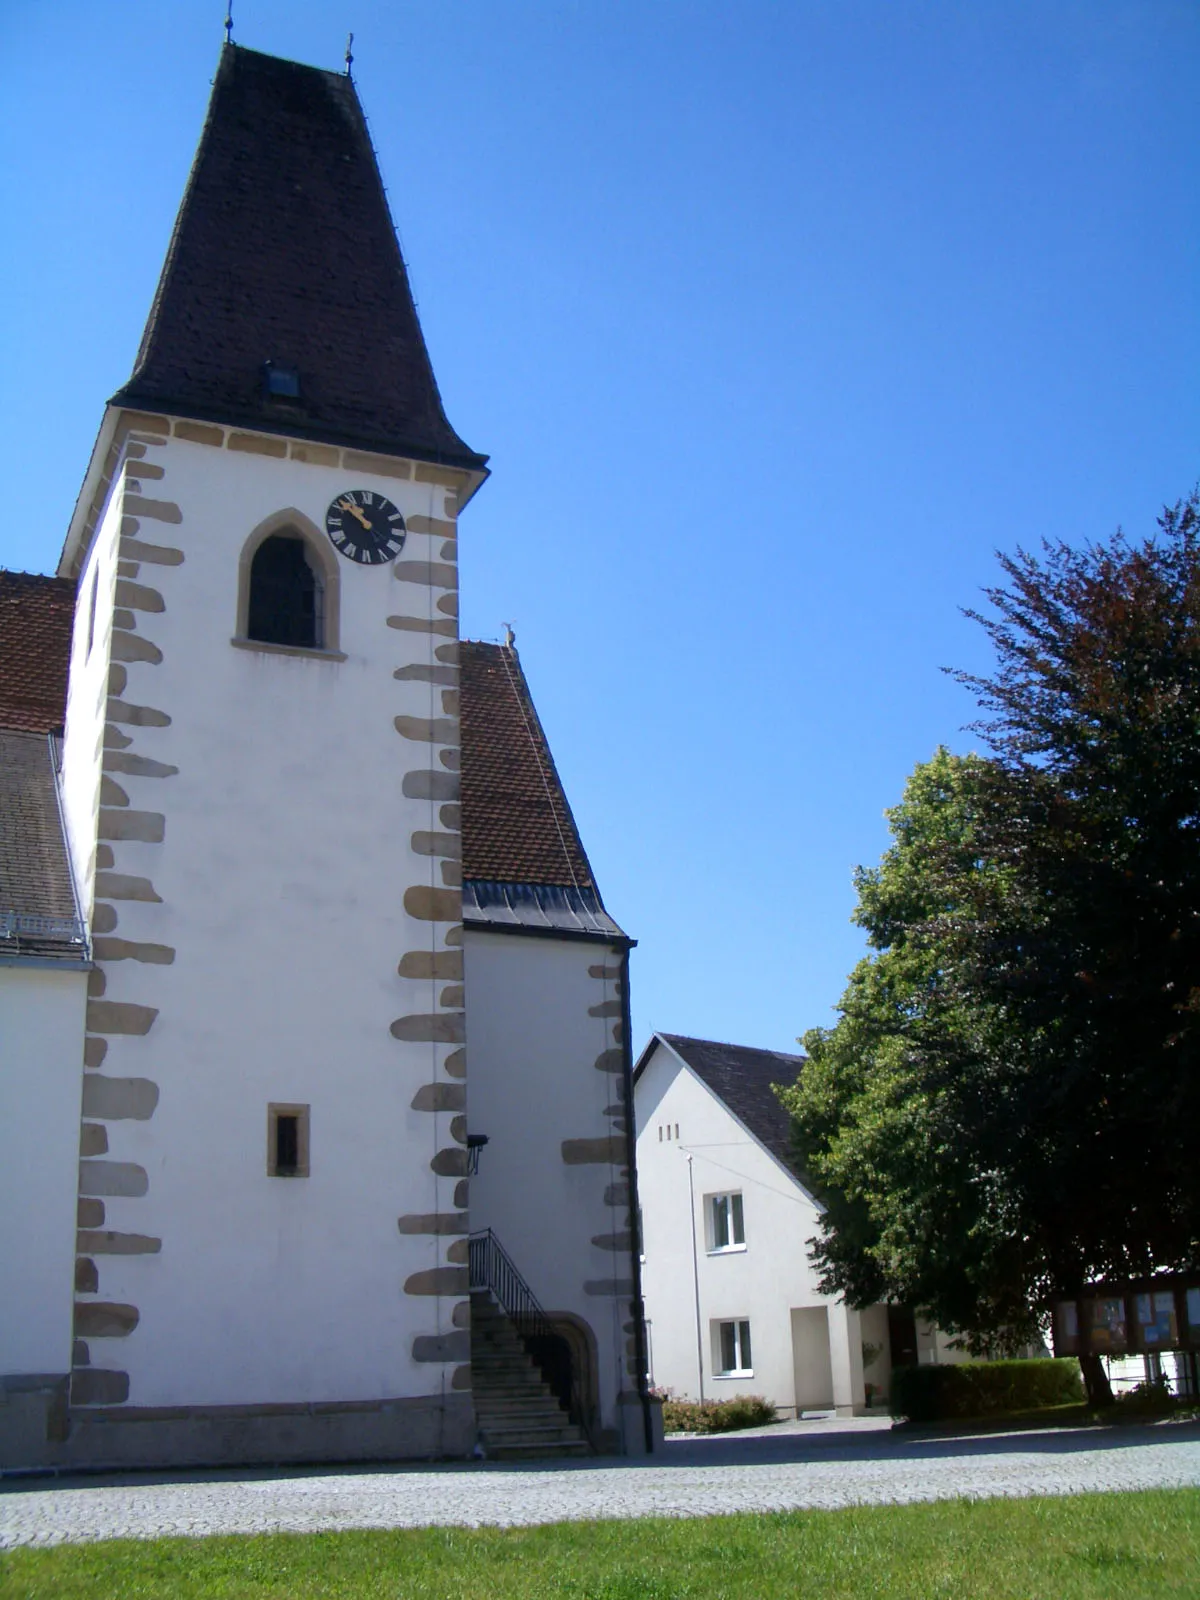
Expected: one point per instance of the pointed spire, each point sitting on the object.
(284, 303)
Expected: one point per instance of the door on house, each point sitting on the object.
(812, 1367)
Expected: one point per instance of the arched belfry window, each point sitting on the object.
(286, 603)
(288, 587)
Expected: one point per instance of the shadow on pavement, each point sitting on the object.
(728, 1450)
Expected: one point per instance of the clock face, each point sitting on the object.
(365, 527)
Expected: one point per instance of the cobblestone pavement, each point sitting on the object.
(796, 1465)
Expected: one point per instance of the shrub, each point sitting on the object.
(1152, 1399)
(715, 1416)
(977, 1388)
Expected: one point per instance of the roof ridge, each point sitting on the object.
(730, 1044)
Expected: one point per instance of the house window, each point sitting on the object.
(726, 1224)
(287, 1141)
(286, 601)
(733, 1350)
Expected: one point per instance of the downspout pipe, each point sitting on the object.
(635, 1215)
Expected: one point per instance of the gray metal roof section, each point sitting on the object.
(538, 908)
(39, 916)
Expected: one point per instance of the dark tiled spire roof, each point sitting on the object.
(36, 617)
(742, 1077)
(517, 825)
(284, 252)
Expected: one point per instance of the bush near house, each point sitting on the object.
(975, 1388)
(715, 1416)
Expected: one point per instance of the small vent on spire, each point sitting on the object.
(280, 382)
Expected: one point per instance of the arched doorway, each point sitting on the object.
(567, 1358)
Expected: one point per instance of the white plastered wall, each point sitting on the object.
(280, 884)
(532, 1045)
(87, 694)
(763, 1283)
(41, 1043)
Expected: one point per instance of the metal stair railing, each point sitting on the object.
(491, 1267)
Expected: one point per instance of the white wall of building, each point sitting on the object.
(689, 1148)
(533, 1043)
(280, 887)
(87, 695)
(41, 1041)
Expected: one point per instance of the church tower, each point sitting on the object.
(260, 781)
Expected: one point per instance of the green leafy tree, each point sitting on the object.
(1009, 1104)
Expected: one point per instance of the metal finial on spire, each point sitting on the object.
(229, 22)
(349, 53)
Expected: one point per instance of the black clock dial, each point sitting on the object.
(365, 527)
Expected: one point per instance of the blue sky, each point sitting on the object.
(777, 321)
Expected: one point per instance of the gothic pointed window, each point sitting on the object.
(286, 599)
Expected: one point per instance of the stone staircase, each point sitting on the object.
(519, 1418)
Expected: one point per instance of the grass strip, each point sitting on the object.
(1084, 1547)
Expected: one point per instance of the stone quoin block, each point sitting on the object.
(116, 1016)
(586, 1152)
(426, 785)
(442, 1027)
(119, 1099)
(445, 964)
(438, 1280)
(440, 1097)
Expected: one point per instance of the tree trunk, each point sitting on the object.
(1095, 1381)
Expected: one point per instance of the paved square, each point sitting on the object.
(790, 1466)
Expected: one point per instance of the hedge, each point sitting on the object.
(716, 1416)
(976, 1388)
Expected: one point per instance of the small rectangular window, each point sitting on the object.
(287, 1141)
(726, 1223)
(733, 1350)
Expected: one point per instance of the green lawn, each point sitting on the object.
(1100, 1546)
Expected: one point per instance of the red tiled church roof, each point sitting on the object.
(517, 825)
(36, 615)
(284, 252)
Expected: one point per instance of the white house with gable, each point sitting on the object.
(732, 1303)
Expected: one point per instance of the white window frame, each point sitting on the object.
(735, 1220)
(742, 1346)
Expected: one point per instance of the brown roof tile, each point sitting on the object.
(284, 251)
(517, 825)
(36, 616)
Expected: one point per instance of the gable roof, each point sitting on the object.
(742, 1078)
(284, 251)
(517, 824)
(36, 617)
(38, 914)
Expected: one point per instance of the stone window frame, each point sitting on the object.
(325, 561)
(282, 1108)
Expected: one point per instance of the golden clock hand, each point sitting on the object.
(355, 511)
